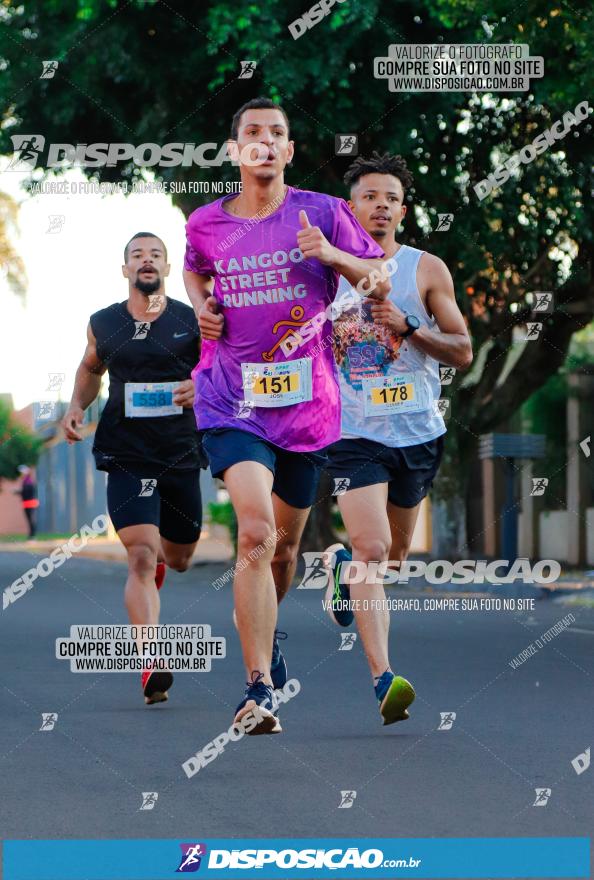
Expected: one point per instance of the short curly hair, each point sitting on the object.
(379, 164)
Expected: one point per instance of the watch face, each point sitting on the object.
(413, 322)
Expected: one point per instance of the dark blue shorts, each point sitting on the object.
(409, 471)
(296, 474)
(172, 501)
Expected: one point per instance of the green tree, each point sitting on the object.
(161, 72)
(18, 445)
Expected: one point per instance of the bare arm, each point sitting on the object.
(199, 289)
(87, 385)
(452, 345)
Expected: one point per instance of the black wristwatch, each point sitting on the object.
(413, 324)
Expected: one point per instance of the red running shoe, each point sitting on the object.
(155, 684)
(160, 574)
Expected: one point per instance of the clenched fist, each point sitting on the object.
(390, 316)
(184, 394)
(209, 321)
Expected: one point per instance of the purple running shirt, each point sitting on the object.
(260, 376)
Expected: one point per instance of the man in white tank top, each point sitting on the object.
(388, 355)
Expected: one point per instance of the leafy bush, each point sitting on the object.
(18, 445)
(223, 514)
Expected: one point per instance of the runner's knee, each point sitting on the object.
(285, 555)
(399, 551)
(371, 548)
(256, 533)
(142, 560)
(178, 561)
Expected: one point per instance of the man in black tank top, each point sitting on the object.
(146, 439)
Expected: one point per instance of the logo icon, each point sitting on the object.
(585, 446)
(446, 374)
(346, 145)
(296, 313)
(179, 335)
(341, 484)
(248, 68)
(149, 799)
(142, 329)
(447, 720)
(56, 222)
(347, 640)
(347, 799)
(444, 221)
(27, 149)
(49, 69)
(539, 484)
(192, 855)
(244, 408)
(542, 797)
(442, 407)
(46, 410)
(48, 720)
(147, 489)
(250, 380)
(581, 762)
(315, 576)
(543, 302)
(155, 302)
(55, 381)
(532, 331)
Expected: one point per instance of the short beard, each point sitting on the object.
(379, 233)
(147, 287)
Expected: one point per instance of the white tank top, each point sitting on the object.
(388, 387)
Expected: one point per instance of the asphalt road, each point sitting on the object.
(515, 729)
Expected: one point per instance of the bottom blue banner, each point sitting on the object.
(480, 857)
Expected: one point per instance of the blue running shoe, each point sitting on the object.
(394, 694)
(256, 713)
(278, 666)
(338, 595)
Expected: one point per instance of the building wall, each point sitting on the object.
(71, 491)
(554, 534)
(12, 518)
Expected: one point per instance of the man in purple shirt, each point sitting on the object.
(261, 270)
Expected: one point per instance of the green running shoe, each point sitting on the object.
(338, 595)
(394, 694)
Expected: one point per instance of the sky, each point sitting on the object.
(72, 273)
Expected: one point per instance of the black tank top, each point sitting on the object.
(164, 350)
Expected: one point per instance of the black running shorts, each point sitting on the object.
(171, 501)
(409, 471)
